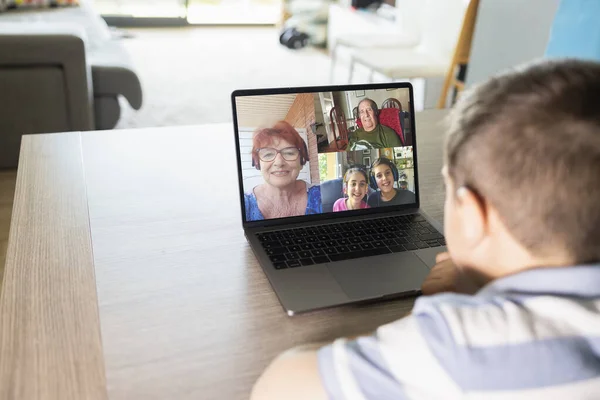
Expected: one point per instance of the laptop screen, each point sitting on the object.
(338, 150)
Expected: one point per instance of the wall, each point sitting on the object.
(301, 115)
(508, 33)
(575, 31)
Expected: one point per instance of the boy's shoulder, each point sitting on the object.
(503, 319)
(506, 338)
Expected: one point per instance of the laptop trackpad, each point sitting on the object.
(372, 277)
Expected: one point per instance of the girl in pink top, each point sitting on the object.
(355, 189)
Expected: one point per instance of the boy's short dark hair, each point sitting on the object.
(528, 141)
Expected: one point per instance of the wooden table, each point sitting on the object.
(128, 275)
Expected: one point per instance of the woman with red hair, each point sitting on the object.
(279, 153)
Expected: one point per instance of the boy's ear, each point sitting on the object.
(473, 213)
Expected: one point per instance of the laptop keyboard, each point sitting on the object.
(290, 248)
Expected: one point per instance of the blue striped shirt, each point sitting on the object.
(535, 334)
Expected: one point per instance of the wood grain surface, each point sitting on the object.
(50, 345)
(185, 310)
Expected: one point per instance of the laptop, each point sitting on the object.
(320, 242)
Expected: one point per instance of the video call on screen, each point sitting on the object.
(368, 132)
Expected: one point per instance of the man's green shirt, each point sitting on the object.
(380, 137)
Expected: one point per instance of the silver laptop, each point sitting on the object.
(329, 192)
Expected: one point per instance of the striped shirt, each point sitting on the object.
(535, 334)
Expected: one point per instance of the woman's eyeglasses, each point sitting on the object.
(268, 154)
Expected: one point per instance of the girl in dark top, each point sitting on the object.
(383, 175)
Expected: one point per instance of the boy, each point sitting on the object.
(532, 246)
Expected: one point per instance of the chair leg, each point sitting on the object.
(444, 93)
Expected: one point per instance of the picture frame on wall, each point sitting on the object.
(366, 161)
(367, 152)
(359, 93)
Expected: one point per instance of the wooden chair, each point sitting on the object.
(395, 103)
(392, 103)
(457, 70)
(338, 127)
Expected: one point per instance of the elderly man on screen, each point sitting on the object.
(372, 135)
